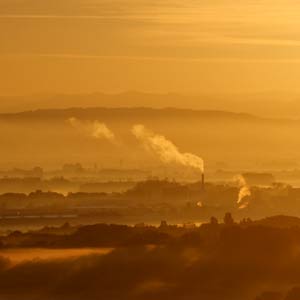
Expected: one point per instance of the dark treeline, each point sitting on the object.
(197, 201)
(231, 261)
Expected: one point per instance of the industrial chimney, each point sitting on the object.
(202, 181)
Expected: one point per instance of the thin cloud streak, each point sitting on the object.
(149, 58)
(104, 17)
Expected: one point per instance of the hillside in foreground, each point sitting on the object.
(215, 261)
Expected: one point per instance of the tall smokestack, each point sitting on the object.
(202, 181)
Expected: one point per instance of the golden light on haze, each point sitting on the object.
(17, 256)
(190, 47)
(109, 112)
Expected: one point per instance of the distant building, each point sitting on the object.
(258, 179)
(72, 168)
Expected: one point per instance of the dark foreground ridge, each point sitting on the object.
(255, 260)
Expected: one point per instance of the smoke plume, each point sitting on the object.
(93, 129)
(165, 149)
(244, 193)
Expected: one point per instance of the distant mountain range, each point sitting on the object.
(151, 116)
(267, 104)
(125, 113)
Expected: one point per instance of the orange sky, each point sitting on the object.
(78, 46)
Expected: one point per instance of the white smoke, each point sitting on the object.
(244, 192)
(93, 129)
(165, 149)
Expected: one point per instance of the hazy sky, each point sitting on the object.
(77, 46)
